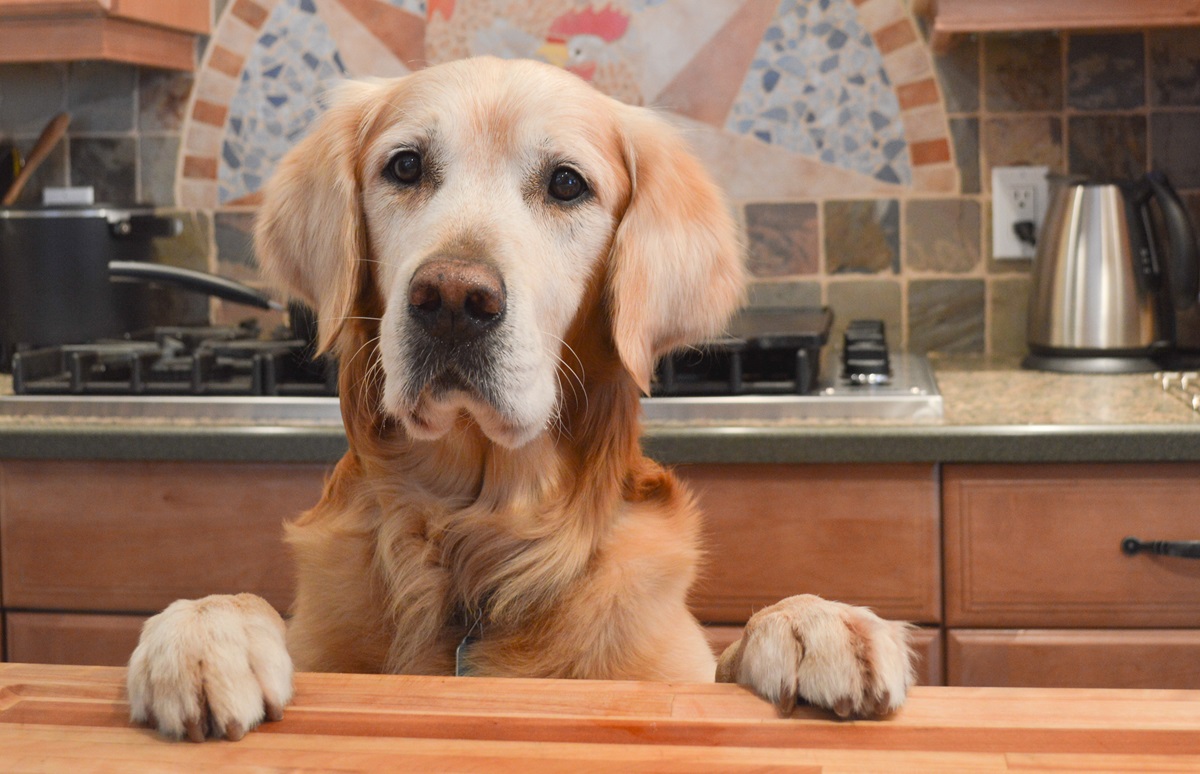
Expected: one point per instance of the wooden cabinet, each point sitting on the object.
(1038, 548)
(1080, 658)
(89, 549)
(72, 638)
(133, 537)
(156, 33)
(862, 534)
(951, 18)
(1024, 559)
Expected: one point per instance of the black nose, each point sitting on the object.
(456, 300)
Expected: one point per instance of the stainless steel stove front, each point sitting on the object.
(912, 394)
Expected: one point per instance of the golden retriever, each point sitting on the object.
(497, 254)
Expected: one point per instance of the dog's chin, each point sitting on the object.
(429, 418)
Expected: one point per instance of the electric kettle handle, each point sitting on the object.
(1183, 271)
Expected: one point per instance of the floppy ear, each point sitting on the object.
(677, 272)
(309, 234)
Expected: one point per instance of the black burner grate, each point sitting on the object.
(766, 352)
(215, 361)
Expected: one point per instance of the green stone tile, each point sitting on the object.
(946, 315)
(862, 237)
(942, 235)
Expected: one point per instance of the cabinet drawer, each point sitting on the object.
(862, 534)
(1075, 658)
(72, 638)
(134, 537)
(1040, 546)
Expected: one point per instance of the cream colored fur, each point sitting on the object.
(530, 515)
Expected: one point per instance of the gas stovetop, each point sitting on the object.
(176, 361)
(767, 369)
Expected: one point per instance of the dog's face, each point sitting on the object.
(482, 199)
(495, 200)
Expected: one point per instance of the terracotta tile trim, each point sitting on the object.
(929, 152)
(197, 167)
(210, 113)
(913, 95)
(250, 12)
(894, 36)
(225, 61)
(908, 63)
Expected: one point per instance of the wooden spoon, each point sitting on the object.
(41, 149)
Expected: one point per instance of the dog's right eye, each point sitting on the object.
(405, 167)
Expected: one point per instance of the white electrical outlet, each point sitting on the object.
(1019, 194)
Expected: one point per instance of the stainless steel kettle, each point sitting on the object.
(1102, 298)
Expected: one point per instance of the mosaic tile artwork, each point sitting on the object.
(279, 96)
(812, 81)
(817, 86)
(605, 44)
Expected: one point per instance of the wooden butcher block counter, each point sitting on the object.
(56, 718)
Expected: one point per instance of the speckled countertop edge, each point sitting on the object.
(994, 412)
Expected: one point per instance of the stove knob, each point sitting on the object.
(865, 353)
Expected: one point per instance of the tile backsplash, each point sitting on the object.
(858, 162)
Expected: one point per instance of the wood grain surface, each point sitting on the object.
(860, 534)
(132, 537)
(55, 718)
(1040, 545)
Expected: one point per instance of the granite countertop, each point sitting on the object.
(994, 412)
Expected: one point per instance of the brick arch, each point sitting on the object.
(217, 81)
(909, 65)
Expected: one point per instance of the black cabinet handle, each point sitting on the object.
(1188, 549)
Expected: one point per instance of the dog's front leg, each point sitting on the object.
(211, 667)
(832, 655)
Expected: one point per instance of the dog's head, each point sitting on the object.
(480, 202)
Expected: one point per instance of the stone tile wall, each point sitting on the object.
(1109, 105)
(123, 141)
(1103, 105)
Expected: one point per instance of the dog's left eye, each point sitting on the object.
(405, 167)
(566, 184)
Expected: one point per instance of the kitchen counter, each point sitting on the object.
(55, 718)
(994, 412)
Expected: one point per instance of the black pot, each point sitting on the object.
(72, 275)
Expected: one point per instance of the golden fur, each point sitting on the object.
(581, 549)
(533, 520)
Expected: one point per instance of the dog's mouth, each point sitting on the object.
(497, 381)
(432, 406)
(447, 382)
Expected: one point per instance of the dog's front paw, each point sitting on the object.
(835, 656)
(215, 666)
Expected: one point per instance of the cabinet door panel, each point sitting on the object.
(1040, 545)
(1074, 658)
(72, 638)
(133, 537)
(862, 534)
